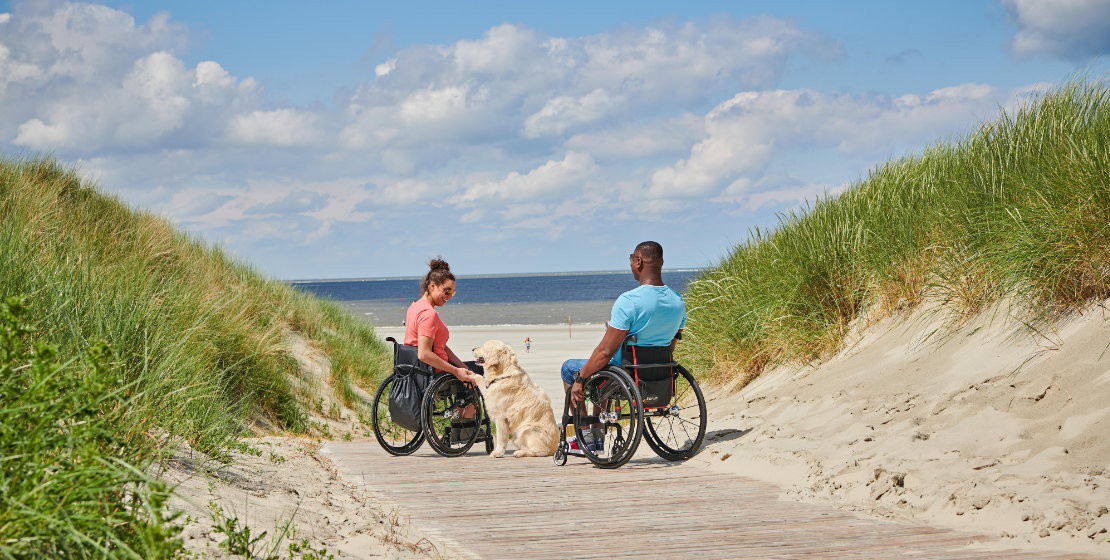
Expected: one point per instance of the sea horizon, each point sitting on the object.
(492, 275)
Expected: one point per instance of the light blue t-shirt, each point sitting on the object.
(653, 313)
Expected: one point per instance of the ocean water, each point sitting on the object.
(523, 299)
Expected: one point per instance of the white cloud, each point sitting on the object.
(433, 104)
(641, 138)
(209, 73)
(197, 204)
(515, 82)
(745, 133)
(155, 87)
(296, 202)
(85, 80)
(15, 71)
(474, 216)
(560, 113)
(385, 67)
(152, 101)
(542, 182)
(282, 127)
(788, 196)
(402, 193)
(1070, 29)
(504, 49)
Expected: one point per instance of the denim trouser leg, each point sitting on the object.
(571, 367)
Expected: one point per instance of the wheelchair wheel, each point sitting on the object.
(560, 457)
(675, 432)
(619, 418)
(446, 406)
(394, 439)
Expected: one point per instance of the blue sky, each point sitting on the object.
(352, 139)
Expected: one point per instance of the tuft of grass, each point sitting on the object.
(73, 481)
(1018, 209)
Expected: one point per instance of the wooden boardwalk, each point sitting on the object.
(529, 508)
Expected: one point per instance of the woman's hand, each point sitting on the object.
(464, 375)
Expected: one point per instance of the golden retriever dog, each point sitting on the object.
(516, 405)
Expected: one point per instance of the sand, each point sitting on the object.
(989, 429)
(280, 479)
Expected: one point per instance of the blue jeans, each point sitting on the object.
(571, 367)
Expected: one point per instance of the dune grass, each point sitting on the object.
(196, 339)
(1017, 210)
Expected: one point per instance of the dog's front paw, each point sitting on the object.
(497, 453)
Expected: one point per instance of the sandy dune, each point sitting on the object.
(992, 428)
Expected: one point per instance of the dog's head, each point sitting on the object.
(494, 356)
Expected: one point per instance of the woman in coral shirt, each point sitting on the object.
(425, 330)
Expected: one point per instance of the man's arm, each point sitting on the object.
(601, 354)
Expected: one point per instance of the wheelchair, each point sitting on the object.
(648, 396)
(440, 415)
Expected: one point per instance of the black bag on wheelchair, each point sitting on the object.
(411, 379)
(656, 383)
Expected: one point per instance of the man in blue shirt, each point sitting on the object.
(653, 312)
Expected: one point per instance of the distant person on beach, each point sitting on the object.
(425, 330)
(528, 344)
(653, 312)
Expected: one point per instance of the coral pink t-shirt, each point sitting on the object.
(422, 320)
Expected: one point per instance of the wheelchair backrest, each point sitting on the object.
(405, 359)
(652, 368)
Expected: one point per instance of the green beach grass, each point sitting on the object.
(1018, 211)
(185, 343)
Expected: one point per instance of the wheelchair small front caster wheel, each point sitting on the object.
(560, 457)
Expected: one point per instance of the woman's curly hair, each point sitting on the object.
(438, 272)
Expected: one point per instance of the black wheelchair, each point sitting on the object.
(649, 395)
(415, 403)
